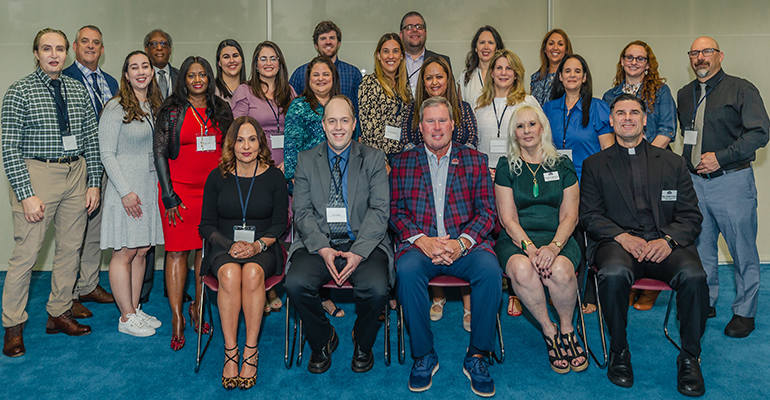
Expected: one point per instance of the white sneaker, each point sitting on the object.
(148, 319)
(135, 326)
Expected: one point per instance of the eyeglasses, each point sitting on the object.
(159, 44)
(706, 52)
(410, 27)
(263, 59)
(639, 59)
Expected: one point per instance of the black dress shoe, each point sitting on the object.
(739, 327)
(362, 361)
(712, 312)
(320, 361)
(619, 370)
(689, 379)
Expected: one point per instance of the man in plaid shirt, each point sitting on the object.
(51, 159)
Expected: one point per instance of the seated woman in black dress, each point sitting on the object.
(245, 203)
(537, 199)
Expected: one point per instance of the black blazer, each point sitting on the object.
(607, 206)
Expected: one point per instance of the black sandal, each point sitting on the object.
(553, 344)
(232, 382)
(570, 344)
(248, 383)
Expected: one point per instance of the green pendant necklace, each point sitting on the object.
(535, 187)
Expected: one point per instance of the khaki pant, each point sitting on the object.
(91, 255)
(62, 188)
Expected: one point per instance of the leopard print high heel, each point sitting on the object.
(248, 383)
(232, 382)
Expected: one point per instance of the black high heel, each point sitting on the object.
(232, 382)
(569, 342)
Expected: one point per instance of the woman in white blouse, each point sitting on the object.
(485, 43)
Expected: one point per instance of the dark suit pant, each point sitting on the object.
(480, 268)
(682, 270)
(371, 291)
(149, 275)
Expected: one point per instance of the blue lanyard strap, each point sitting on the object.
(277, 120)
(567, 116)
(205, 121)
(698, 102)
(500, 120)
(478, 71)
(240, 193)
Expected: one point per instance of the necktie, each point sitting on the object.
(60, 105)
(338, 230)
(696, 148)
(97, 95)
(163, 83)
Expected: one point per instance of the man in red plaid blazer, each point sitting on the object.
(442, 208)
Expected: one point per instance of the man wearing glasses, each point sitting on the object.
(414, 33)
(157, 44)
(724, 122)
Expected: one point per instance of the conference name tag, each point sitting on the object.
(69, 142)
(497, 146)
(206, 143)
(668, 195)
(336, 214)
(392, 133)
(690, 137)
(551, 176)
(244, 233)
(565, 152)
(276, 141)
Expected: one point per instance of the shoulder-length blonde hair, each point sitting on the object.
(548, 156)
(516, 93)
(227, 163)
(451, 91)
(651, 81)
(401, 87)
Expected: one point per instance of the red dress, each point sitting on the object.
(188, 175)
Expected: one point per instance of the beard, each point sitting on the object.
(702, 69)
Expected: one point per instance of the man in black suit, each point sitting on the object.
(414, 32)
(640, 212)
(157, 44)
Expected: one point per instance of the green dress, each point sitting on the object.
(538, 216)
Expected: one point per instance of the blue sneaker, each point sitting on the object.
(475, 368)
(421, 377)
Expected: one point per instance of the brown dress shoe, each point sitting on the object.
(646, 299)
(13, 343)
(79, 311)
(99, 295)
(66, 324)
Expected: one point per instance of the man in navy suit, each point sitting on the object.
(88, 48)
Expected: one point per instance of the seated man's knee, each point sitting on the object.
(615, 272)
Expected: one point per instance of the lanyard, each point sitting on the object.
(94, 84)
(204, 125)
(499, 121)
(567, 117)
(275, 114)
(149, 121)
(64, 110)
(481, 81)
(240, 194)
(698, 102)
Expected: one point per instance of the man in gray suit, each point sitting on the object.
(341, 210)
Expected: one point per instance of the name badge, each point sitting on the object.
(276, 141)
(565, 152)
(690, 137)
(336, 214)
(668, 195)
(70, 142)
(498, 146)
(551, 176)
(206, 143)
(392, 133)
(244, 233)
(152, 163)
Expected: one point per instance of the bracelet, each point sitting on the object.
(525, 243)
(262, 245)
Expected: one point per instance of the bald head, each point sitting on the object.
(705, 66)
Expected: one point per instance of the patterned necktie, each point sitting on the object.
(696, 148)
(163, 83)
(338, 230)
(98, 93)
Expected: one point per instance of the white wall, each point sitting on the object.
(599, 29)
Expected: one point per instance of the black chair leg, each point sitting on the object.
(387, 334)
(400, 333)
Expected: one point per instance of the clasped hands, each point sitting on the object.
(655, 250)
(242, 249)
(441, 250)
(329, 255)
(542, 258)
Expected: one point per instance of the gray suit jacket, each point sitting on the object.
(368, 201)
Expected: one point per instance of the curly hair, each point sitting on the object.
(516, 93)
(651, 81)
(227, 162)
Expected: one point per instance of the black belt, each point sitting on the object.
(60, 160)
(724, 172)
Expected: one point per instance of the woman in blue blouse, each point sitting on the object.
(580, 123)
(638, 74)
(555, 47)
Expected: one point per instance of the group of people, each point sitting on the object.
(387, 181)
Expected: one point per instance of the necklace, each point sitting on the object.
(535, 187)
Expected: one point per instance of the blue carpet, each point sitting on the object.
(108, 364)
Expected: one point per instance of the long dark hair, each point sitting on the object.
(227, 162)
(127, 97)
(472, 59)
(220, 111)
(282, 90)
(586, 91)
(308, 93)
(450, 95)
(543, 71)
(220, 81)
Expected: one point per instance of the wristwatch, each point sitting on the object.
(262, 245)
(671, 242)
(558, 244)
(463, 250)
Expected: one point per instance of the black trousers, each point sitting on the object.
(149, 274)
(682, 270)
(371, 291)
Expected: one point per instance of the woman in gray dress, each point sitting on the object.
(130, 219)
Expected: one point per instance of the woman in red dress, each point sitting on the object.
(187, 146)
